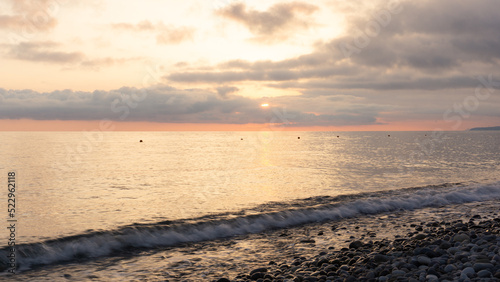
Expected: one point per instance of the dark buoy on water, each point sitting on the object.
(241, 138)
(389, 135)
(298, 137)
(338, 136)
(140, 141)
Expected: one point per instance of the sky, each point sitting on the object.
(211, 65)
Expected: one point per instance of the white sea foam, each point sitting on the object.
(102, 244)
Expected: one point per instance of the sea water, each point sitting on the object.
(82, 197)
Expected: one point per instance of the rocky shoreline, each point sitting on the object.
(455, 250)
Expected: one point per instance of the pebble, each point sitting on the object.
(448, 251)
(378, 258)
(356, 245)
(480, 266)
(461, 238)
(450, 268)
(424, 260)
(257, 276)
(420, 236)
(431, 277)
(484, 274)
(468, 271)
(262, 269)
(398, 272)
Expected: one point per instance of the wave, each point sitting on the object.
(268, 217)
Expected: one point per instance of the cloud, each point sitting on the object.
(279, 22)
(162, 104)
(43, 52)
(141, 26)
(97, 63)
(425, 60)
(170, 35)
(224, 91)
(164, 34)
(46, 52)
(386, 83)
(30, 16)
(424, 45)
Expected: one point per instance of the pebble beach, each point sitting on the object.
(450, 243)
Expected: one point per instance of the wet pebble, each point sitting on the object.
(448, 251)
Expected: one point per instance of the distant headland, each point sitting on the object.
(485, 128)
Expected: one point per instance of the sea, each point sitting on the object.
(194, 206)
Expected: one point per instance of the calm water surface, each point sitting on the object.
(70, 183)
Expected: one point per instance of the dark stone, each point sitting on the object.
(432, 271)
(223, 280)
(344, 267)
(484, 274)
(384, 272)
(497, 274)
(480, 266)
(355, 245)
(445, 245)
(268, 277)
(428, 252)
(257, 275)
(321, 262)
(420, 237)
(351, 279)
(378, 258)
(262, 269)
(330, 268)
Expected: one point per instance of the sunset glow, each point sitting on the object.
(327, 64)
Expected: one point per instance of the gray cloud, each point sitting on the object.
(386, 83)
(43, 52)
(165, 34)
(224, 91)
(426, 35)
(429, 45)
(46, 52)
(277, 23)
(425, 61)
(163, 104)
